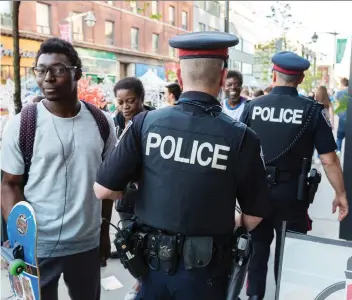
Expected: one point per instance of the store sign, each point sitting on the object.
(91, 53)
(23, 53)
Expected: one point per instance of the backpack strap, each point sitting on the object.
(101, 120)
(27, 135)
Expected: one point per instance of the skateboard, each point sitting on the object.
(19, 252)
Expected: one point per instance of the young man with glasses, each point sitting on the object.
(67, 151)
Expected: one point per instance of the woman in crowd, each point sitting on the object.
(322, 97)
(129, 93)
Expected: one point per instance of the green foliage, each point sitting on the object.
(342, 104)
(264, 53)
(310, 80)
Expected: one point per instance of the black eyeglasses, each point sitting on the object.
(55, 70)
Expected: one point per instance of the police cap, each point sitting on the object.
(206, 44)
(290, 63)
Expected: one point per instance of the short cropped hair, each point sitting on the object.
(133, 84)
(56, 45)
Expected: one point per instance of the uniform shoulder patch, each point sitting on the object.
(325, 114)
(128, 126)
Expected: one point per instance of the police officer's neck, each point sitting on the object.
(211, 91)
(285, 84)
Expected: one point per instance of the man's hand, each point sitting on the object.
(340, 201)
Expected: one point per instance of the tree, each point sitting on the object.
(310, 80)
(280, 15)
(263, 55)
(16, 56)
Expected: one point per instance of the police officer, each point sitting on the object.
(192, 162)
(289, 127)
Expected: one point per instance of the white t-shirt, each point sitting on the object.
(45, 189)
(233, 112)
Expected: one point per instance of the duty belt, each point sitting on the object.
(274, 175)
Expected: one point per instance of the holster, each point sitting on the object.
(126, 204)
(242, 252)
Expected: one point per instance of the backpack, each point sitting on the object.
(28, 129)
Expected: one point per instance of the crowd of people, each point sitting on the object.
(139, 154)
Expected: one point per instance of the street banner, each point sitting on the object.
(65, 31)
(340, 49)
(313, 268)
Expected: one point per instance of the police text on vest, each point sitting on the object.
(155, 140)
(280, 116)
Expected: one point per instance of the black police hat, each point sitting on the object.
(290, 63)
(206, 44)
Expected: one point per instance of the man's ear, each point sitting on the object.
(78, 74)
(274, 76)
(179, 78)
(223, 77)
(301, 79)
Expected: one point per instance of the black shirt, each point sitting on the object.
(321, 136)
(125, 161)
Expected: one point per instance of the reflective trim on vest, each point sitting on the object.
(270, 114)
(155, 141)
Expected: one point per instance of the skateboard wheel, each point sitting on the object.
(16, 267)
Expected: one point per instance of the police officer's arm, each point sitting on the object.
(252, 193)
(122, 165)
(325, 144)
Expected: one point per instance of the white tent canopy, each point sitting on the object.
(153, 86)
(152, 81)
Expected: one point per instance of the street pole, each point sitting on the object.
(227, 15)
(334, 60)
(346, 224)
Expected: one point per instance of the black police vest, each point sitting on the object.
(284, 122)
(188, 183)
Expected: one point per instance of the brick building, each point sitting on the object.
(129, 37)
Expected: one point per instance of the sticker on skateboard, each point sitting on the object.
(19, 252)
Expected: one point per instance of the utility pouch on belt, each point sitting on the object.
(168, 253)
(197, 252)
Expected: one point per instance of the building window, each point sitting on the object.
(247, 69)
(234, 65)
(172, 51)
(109, 32)
(155, 42)
(213, 7)
(248, 47)
(77, 27)
(239, 45)
(155, 7)
(172, 15)
(133, 6)
(184, 20)
(201, 4)
(110, 2)
(43, 18)
(134, 38)
(201, 26)
(6, 14)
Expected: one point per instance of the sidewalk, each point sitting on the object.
(324, 225)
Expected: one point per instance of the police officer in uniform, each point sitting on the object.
(191, 162)
(289, 127)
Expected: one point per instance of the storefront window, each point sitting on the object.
(7, 72)
(98, 66)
